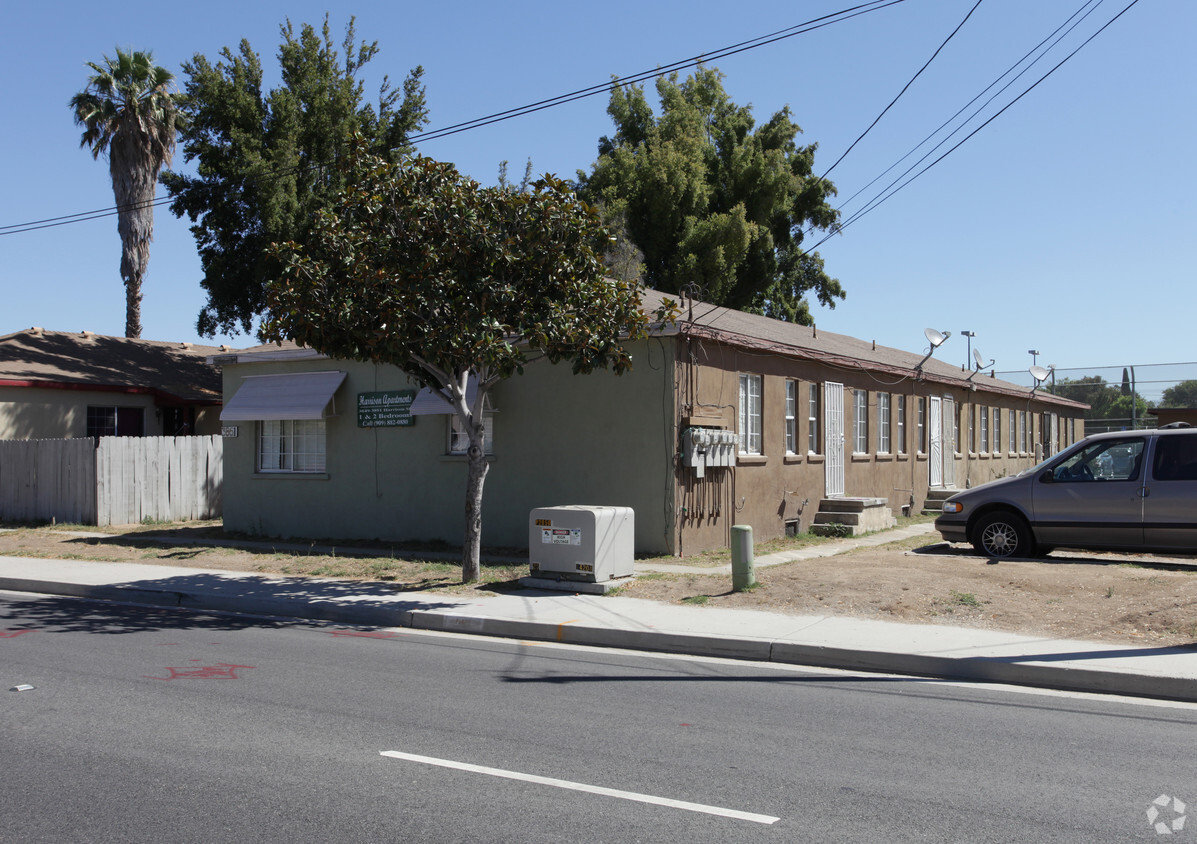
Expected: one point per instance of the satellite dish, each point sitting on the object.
(936, 338)
(977, 358)
(1039, 374)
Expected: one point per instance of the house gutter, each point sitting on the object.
(109, 388)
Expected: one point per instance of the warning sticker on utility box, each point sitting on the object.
(561, 536)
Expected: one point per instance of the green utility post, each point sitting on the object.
(743, 575)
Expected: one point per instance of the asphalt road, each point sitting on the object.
(154, 725)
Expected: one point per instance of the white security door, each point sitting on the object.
(949, 442)
(833, 441)
(935, 441)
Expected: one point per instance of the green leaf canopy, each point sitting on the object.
(422, 268)
(712, 203)
(266, 159)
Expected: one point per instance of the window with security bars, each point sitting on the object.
(291, 445)
(997, 430)
(1012, 434)
(791, 417)
(883, 423)
(901, 424)
(921, 431)
(812, 419)
(750, 414)
(860, 404)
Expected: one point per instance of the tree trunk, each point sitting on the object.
(471, 562)
(133, 181)
(133, 308)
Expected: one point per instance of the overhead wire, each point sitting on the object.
(982, 93)
(531, 108)
(884, 197)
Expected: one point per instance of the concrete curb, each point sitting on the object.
(1006, 670)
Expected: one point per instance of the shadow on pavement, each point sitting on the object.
(175, 602)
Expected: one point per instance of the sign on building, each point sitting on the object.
(387, 409)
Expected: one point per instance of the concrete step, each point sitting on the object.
(852, 516)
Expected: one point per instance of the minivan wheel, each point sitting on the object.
(1002, 535)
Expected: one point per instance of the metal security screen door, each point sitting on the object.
(833, 442)
(949, 437)
(935, 441)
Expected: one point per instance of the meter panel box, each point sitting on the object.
(577, 542)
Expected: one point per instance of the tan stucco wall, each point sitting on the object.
(28, 413)
(558, 439)
(47, 414)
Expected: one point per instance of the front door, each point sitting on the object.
(833, 440)
(935, 442)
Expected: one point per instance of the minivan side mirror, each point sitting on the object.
(1048, 477)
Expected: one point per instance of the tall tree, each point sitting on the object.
(130, 114)
(266, 159)
(1183, 394)
(421, 268)
(713, 201)
(1107, 403)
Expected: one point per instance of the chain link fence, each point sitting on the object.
(1108, 390)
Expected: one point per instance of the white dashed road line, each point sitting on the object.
(590, 789)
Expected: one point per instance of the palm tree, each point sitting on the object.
(130, 114)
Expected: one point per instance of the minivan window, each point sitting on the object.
(1106, 460)
(1175, 459)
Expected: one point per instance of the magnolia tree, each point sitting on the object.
(419, 267)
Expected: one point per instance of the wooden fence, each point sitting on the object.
(122, 480)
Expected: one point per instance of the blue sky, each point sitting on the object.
(1059, 227)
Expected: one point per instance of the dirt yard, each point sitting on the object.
(1078, 595)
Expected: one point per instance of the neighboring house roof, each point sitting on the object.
(87, 361)
(766, 334)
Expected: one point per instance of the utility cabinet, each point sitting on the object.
(577, 542)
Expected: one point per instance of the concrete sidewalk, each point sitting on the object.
(824, 641)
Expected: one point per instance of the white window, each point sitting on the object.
(1022, 431)
(860, 403)
(812, 419)
(883, 431)
(291, 445)
(901, 437)
(750, 414)
(921, 429)
(984, 414)
(997, 430)
(972, 427)
(791, 417)
(1012, 445)
(459, 440)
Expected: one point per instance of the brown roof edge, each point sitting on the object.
(848, 362)
(110, 388)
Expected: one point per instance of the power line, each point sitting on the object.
(884, 197)
(594, 90)
(991, 85)
(900, 93)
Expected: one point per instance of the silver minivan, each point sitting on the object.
(1124, 490)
